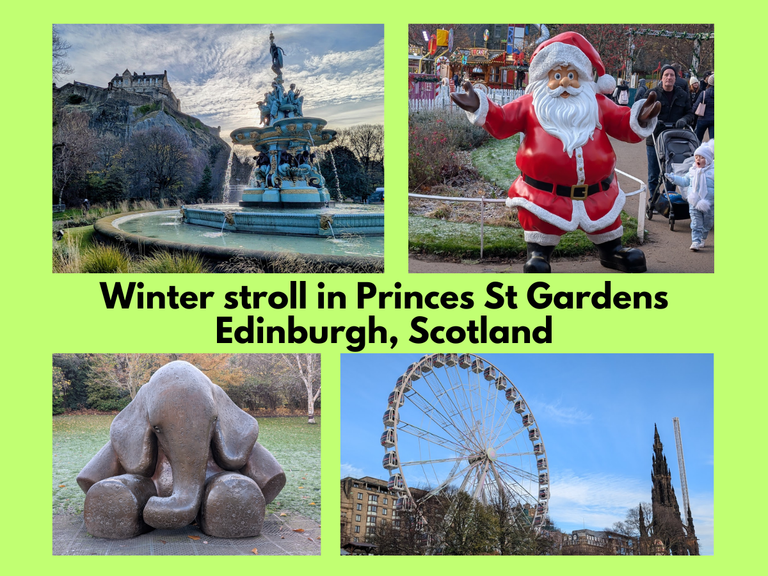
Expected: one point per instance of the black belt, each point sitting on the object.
(578, 192)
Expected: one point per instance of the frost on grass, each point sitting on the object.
(294, 443)
(495, 161)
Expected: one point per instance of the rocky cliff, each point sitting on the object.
(123, 113)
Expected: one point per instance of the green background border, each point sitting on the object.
(43, 313)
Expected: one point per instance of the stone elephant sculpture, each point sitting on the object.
(180, 451)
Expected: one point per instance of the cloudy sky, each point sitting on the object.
(596, 414)
(219, 72)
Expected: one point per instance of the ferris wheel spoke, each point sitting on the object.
(516, 475)
(442, 393)
(515, 454)
(420, 433)
(429, 410)
(481, 483)
(451, 477)
(508, 410)
(500, 444)
(438, 461)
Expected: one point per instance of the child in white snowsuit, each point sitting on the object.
(699, 190)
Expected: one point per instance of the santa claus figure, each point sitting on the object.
(566, 160)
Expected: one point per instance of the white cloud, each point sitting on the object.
(563, 414)
(349, 470)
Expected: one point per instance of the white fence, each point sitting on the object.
(499, 96)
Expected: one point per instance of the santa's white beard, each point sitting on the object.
(572, 120)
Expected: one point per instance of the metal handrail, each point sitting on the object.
(483, 201)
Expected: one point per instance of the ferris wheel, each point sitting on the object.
(456, 422)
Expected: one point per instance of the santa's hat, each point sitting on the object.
(570, 49)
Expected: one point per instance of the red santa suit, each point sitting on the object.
(543, 214)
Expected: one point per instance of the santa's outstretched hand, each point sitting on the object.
(468, 101)
(649, 110)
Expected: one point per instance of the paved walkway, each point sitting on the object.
(289, 535)
(666, 251)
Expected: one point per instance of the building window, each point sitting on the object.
(357, 529)
(357, 517)
(385, 502)
(357, 539)
(372, 509)
(370, 521)
(373, 498)
(359, 506)
(359, 495)
(383, 511)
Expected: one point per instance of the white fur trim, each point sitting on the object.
(606, 84)
(579, 215)
(556, 55)
(478, 116)
(635, 125)
(542, 239)
(508, 202)
(606, 236)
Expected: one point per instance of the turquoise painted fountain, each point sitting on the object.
(287, 176)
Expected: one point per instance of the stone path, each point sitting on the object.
(279, 537)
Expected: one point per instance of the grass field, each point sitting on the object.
(294, 443)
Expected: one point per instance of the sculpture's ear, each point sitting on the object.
(132, 438)
(234, 434)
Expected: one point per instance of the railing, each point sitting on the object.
(641, 192)
(498, 95)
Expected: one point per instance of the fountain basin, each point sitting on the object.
(322, 223)
(143, 232)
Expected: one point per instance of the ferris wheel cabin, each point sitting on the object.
(465, 361)
(392, 400)
(388, 438)
(528, 420)
(389, 418)
(413, 371)
(520, 406)
(438, 360)
(477, 366)
(490, 373)
(533, 434)
(390, 461)
(511, 393)
(395, 482)
(451, 360)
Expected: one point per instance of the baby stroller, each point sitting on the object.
(674, 153)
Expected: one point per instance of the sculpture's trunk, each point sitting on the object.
(188, 465)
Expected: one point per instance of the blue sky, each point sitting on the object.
(596, 414)
(219, 72)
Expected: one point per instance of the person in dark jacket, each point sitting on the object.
(675, 112)
(708, 120)
(642, 90)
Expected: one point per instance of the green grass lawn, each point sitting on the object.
(460, 240)
(495, 161)
(294, 443)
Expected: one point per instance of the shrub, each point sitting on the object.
(75, 99)
(107, 398)
(433, 140)
(172, 263)
(104, 259)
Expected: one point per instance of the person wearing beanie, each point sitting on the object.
(706, 122)
(699, 190)
(566, 160)
(676, 112)
(693, 93)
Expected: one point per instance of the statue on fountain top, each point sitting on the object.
(277, 55)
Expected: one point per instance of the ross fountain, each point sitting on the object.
(284, 208)
(287, 174)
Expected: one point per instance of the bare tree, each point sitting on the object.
(162, 159)
(60, 47)
(307, 366)
(125, 371)
(74, 149)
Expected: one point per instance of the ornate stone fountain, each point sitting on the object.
(287, 174)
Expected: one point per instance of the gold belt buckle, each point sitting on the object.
(583, 188)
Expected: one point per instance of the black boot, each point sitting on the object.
(614, 255)
(538, 258)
